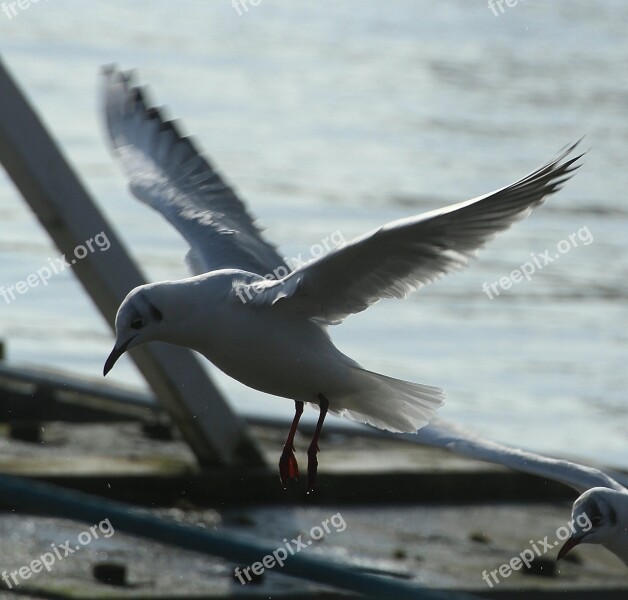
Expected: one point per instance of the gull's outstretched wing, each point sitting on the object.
(460, 441)
(167, 172)
(402, 256)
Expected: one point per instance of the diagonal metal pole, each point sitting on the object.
(64, 207)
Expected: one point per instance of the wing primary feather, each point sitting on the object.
(402, 256)
(168, 171)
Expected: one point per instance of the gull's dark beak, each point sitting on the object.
(116, 353)
(571, 543)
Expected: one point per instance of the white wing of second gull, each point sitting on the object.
(603, 499)
(461, 441)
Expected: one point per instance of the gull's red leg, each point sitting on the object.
(288, 467)
(312, 461)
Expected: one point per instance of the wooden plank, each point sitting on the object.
(65, 209)
(44, 395)
(83, 388)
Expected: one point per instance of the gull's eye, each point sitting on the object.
(596, 521)
(137, 323)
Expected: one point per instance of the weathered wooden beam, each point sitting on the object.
(65, 209)
(46, 395)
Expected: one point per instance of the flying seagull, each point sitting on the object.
(603, 499)
(259, 321)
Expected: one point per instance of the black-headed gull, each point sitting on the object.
(270, 333)
(603, 499)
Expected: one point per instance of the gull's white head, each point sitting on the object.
(599, 516)
(183, 312)
(140, 319)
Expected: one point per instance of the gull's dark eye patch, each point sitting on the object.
(155, 312)
(594, 512)
(612, 515)
(596, 521)
(137, 323)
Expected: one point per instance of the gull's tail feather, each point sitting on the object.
(392, 404)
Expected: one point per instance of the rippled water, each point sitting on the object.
(341, 116)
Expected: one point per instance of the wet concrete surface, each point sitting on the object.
(444, 545)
